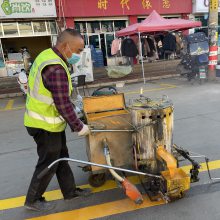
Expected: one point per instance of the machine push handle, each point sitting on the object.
(44, 172)
(113, 130)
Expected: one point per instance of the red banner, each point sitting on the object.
(102, 8)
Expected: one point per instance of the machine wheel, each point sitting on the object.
(97, 180)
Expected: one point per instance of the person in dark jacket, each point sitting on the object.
(129, 48)
(169, 42)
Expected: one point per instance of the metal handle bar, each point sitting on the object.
(44, 172)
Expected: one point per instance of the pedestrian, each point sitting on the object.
(48, 110)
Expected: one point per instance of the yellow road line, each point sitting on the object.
(167, 86)
(16, 202)
(16, 108)
(56, 194)
(9, 104)
(102, 210)
(116, 207)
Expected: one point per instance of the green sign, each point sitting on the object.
(15, 7)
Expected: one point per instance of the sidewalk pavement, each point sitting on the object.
(156, 70)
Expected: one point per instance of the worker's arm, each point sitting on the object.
(56, 81)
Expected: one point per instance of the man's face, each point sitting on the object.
(73, 45)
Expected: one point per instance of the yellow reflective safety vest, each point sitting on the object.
(41, 111)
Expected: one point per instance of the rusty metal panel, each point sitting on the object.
(120, 143)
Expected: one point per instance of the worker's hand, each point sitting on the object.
(85, 131)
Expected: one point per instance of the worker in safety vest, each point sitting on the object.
(48, 111)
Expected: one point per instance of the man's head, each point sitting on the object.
(70, 42)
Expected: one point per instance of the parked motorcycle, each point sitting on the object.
(194, 57)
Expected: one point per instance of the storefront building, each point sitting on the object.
(27, 24)
(200, 13)
(98, 20)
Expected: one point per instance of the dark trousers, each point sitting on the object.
(50, 147)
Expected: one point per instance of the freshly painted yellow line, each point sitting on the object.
(167, 86)
(16, 202)
(9, 104)
(56, 194)
(116, 207)
(102, 210)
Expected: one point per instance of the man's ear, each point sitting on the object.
(65, 46)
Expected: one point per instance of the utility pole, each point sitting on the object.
(213, 38)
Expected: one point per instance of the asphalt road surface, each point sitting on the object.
(196, 127)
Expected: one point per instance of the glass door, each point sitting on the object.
(108, 43)
(95, 41)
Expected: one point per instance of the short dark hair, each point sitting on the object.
(70, 31)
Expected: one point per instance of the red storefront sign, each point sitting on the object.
(102, 8)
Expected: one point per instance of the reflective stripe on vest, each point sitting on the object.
(49, 120)
(35, 92)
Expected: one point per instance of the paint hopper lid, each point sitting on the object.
(147, 103)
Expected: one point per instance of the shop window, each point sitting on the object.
(203, 19)
(1, 34)
(94, 41)
(119, 25)
(10, 29)
(141, 19)
(204, 27)
(93, 27)
(48, 27)
(171, 17)
(53, 40)
(86, 40)
(109, 39)
(80, 26)
(53, 27)
(39, 27)
(2, 63)
(25, 28)
(107, 26)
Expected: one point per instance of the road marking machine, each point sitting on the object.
(135, 139)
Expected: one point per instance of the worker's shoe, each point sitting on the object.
(82, 192)
(79, 193)
(39, 205)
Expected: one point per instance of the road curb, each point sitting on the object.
(130, 81)
(11, 95)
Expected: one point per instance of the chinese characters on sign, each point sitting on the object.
(206, 3)
(146, 4)
(27, 8)
(44, 2)
(125, 3)
(166, 3)
(102, 4)
(214, 5)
